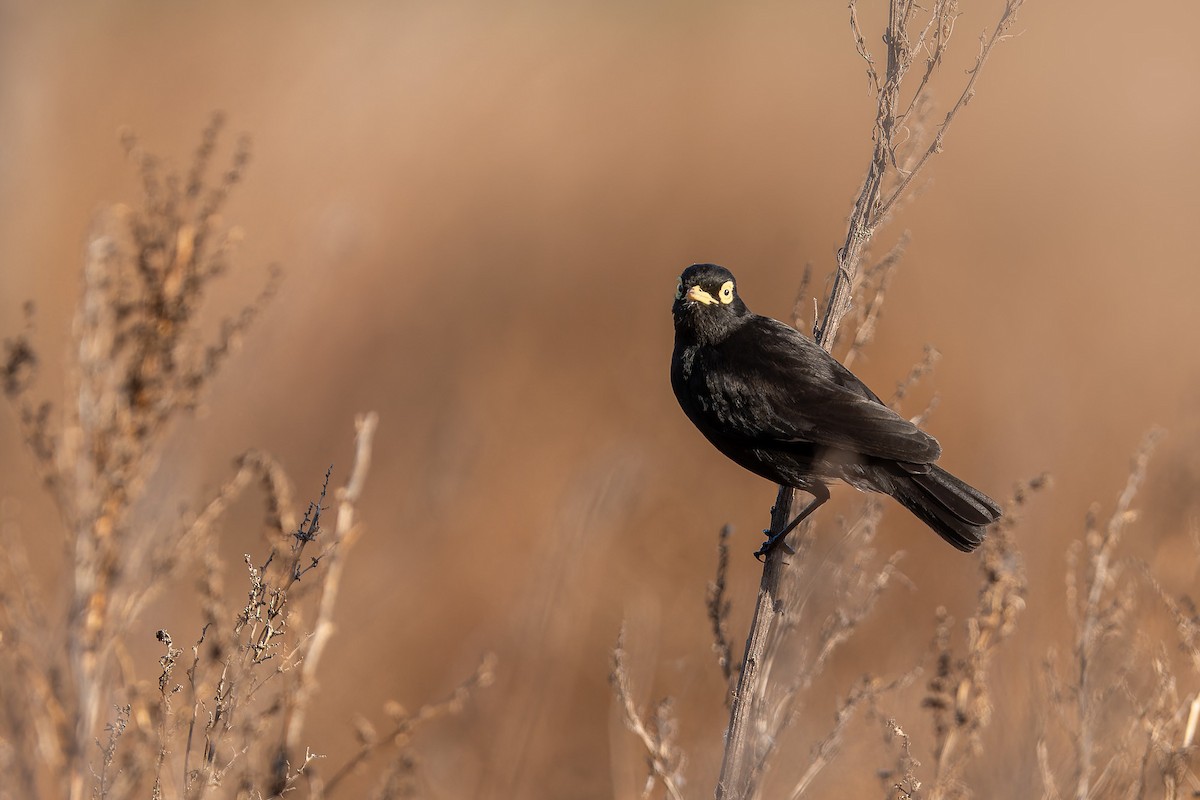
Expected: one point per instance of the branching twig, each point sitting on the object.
(345, 533)
(865, 693)
(718, 606)
(141, 359)
(959, 690)
(405, 724)
(1096, 619)
(902, 782)
(883, 186)
(999, 34)
(872, 209)
(877, 293)
(662, 756)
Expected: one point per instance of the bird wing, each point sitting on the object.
(769, 385)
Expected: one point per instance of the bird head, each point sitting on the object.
(707, 300)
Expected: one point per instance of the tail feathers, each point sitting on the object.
(955, 510)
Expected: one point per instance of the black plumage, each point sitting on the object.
(777, 404)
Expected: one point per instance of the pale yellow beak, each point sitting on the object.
(700, 296)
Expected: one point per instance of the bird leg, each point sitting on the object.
(820, 493)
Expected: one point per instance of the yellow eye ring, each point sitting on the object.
(726, 293)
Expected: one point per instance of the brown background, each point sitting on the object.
(481, 210)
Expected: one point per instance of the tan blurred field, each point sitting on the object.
(481, 210)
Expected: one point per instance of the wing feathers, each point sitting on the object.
(786, 389)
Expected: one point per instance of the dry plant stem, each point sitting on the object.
(999, 33)
(959, 691)
(166, 692)
(906, 785)
(345, 533)
(719, 606)
(140, 362)
(663, 759)
(870, 316)
(1091, 623)
(864, 218)
(738, 768)
(882, 188)
(405, 724)
(138, 367)
(825, 750)
(740, 757)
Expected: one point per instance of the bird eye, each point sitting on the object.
(679, 290)
(726, 293)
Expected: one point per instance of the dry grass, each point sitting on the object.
(1122, 726)
(1120, 719)
(226, 713)
(764, 704)
(808, 607)
(227, 708)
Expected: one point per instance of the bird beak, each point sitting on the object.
(700, 296)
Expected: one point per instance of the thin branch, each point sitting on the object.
(1095, 619)
(405, 724)
(999, 34)
(866, 692)
(885, 269)
(719, 607)
(345, 533)
(871, 210)
(663, 758)
(941, 25)
(929, 359)
(739, 774)
(740, 755)
(860, 45)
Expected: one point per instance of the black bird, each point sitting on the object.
(777, 404)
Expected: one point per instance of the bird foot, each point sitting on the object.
(770, 544)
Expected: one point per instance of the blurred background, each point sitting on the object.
(481, 210)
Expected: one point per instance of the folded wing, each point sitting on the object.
(774, 387)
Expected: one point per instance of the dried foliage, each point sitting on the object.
(1120, 720)
(900, 782)
(225, 715)
(895, 162)
(1123, 724)
(400, 733)
(958, 692)
(719, 606)
(664, 761)
(1127, 728)
(808, 607)
(901, 144)
(138, 365)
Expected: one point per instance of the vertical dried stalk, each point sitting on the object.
(885, 184)
(662, 756)
(138, 368)
(718, 606)
(138, 364)
(344, 534)
(959, 692)
(740, 747)
(1095, 619)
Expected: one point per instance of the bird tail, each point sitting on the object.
(955, 510)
